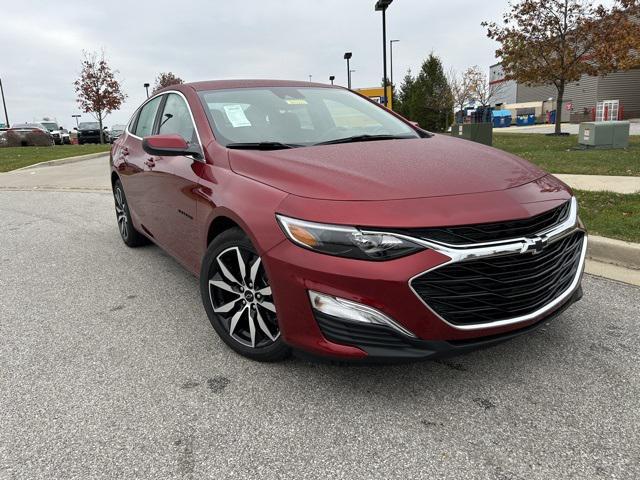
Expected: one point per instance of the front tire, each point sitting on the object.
(130, 236)
(237, 298)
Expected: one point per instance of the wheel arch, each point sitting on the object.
(220, 224)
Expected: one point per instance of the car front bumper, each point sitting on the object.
(384, 286)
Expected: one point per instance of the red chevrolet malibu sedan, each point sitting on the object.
(320, 222)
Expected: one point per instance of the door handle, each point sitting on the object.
(150, 162)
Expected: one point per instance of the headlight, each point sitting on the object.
(346, 241)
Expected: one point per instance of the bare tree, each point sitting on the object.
(483, 91)
(460, 86)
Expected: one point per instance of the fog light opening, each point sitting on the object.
(348, 310)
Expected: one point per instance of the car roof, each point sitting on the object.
(226, 84)
(30, 125)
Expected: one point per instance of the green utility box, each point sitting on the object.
(476, 132)
(604, 134)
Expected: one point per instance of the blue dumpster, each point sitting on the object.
(524, 120)
(501, 118)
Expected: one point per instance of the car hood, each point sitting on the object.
(386, 170)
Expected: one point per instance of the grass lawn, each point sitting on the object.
(18, 157)
(611, 215)
(556, 154)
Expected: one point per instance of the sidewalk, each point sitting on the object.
(571, 128)
(87, 175)
(596, 183)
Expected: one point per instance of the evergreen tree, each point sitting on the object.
(435, 100)
(427, 98)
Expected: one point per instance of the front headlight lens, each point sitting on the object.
(347, 242)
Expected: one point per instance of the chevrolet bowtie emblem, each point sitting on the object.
(535, 245)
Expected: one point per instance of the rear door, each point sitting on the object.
(175, 185)
(137, 176)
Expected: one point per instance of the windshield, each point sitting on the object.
(89, 126)
(50, 125)
(299, 116)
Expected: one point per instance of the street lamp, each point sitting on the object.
(332, 78)
(310, 77)
(4, 104)
(381, 6)
(146, 87)
(347, 57)
(391, 42)
(76, 117)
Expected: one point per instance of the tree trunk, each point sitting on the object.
(559, 103)
(101, 130)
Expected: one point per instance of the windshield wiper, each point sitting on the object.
(262, 146)
(364, 138)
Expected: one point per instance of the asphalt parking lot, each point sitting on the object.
(110, 369)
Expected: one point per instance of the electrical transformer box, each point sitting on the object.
(604, 134)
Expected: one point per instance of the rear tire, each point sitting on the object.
(236, 295)
(130, 236)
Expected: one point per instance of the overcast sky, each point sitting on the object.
(41, 43)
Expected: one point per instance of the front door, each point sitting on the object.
(135, 174)
(174, 186)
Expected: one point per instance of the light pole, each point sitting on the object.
(391, 42)
(381, 6)
(332, 78)
(4, 104)
(347, 57)
(310, 77)
(146, 87)
(76, 117)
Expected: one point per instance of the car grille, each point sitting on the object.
(504, 287)
(491, 232)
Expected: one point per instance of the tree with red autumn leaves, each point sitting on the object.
(98, 90)
(166, 79)
(558, 41)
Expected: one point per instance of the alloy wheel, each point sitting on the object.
(241, 296)
(121, 213)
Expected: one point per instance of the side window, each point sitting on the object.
(177, 119)
(144, 126)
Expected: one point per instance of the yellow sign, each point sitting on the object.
(376, 94)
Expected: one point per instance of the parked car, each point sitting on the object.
(59, 134)
(89, 132)
(29, 135)
(320, 222)
(116, 131)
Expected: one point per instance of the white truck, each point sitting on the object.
(60, 134)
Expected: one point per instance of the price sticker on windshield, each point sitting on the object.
(236, 116)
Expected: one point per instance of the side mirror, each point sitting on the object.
(170, 145)
(75, 128)
(415, 124)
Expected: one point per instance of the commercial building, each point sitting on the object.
(613, 96)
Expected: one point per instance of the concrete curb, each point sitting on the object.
(615, 252)
(62, 161)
